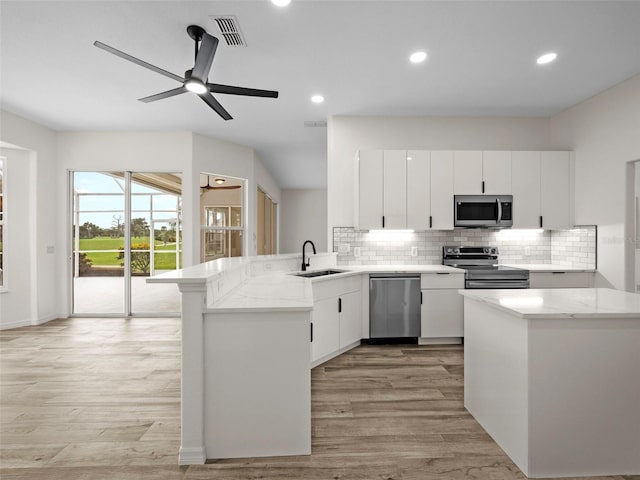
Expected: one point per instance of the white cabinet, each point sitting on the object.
(477, 173)
(350, 318)
(562, 279)
(467, 173)
(525, 177)
(442, 306)
(394, 192)
(325, 327)
(554, 190)
(441, 190)
(418, 189)
(496, 173)
(336, 319)
(541, 190)
(382, 189)
(370, 174)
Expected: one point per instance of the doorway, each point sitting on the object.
(267, 240)
(126, 226)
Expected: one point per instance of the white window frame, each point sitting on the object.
(3, 223)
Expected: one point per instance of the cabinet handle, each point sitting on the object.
(443, 273)
(483, 186)
(430, 221)
(420, 297)
(540, 221)
(339, 305)
(558, 273)
(383, 221)
(311, 332)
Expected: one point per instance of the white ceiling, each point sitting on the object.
(481, 63)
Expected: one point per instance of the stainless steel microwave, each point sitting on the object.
(482, 211)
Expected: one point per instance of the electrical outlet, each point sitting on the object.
(527, 250)
(414, 251)
(356, 251)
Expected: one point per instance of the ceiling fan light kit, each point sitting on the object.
(196, 79)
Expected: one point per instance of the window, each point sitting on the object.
(2, 220)
(221, 217)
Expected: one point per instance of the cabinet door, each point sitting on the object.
(496, 173)
(418, 189)
(525, 180)
(395, 189)
(442, 190)
(350, 318)
(370, 189)
(442, 314)
(467, 173)
(561, 279)
(554, 190)
(326, 328)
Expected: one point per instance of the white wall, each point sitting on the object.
(35, 223)
(347, 135)
(211, 155)
(303, 217)
(604, 132)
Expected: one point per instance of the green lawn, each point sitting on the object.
(162, 261)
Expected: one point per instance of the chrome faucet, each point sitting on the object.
(305, 264)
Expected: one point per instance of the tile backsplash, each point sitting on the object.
(574, 248)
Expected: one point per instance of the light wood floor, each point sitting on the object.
(99, 399)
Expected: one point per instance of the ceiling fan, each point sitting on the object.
(219, 181)
(195, 79)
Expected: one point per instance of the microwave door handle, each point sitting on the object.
(499, 210)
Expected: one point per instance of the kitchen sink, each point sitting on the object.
(319, 273)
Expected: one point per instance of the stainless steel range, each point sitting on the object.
(482, 269)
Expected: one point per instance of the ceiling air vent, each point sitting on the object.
(230, 30)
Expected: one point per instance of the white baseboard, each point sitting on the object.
(335, 354)
(30, 323)
(191, 456)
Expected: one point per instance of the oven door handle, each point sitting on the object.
(499, 210)
(478, 284)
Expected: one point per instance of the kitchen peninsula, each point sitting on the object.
(553, 377)
(246, 351)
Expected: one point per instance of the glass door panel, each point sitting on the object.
(98, 242)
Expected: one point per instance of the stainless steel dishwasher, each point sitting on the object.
(394, 306)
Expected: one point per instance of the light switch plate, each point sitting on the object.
(414, 251)
(356, 251)
(51, 249)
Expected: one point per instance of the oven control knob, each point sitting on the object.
(493, 251)
(449, 250)
(486, 250)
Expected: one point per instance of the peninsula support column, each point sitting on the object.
(192, 449)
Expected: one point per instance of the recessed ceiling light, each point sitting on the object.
(281, 3)
(417, 57)
(547, 58)
(219, 181)
(317, 99)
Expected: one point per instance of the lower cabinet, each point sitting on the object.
(442, 307)
(561, 279)
(336, 319)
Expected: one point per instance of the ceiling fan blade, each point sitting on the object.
(167, 94)
(204, 59)
(213, 103)
(250, 92)
(137, 61)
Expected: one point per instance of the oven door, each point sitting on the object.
(483, 211)
(480, 284)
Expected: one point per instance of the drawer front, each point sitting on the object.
(442, 280)
(562, 279)
(333, 287)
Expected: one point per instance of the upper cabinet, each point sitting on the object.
(382, 189)
(541, 190)
(370, 189)
(478, 173)
(442, 190)
(414, 189)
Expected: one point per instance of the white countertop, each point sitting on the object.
(548, 267)
(561, 302)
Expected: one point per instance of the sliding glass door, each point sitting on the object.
(126, 227)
